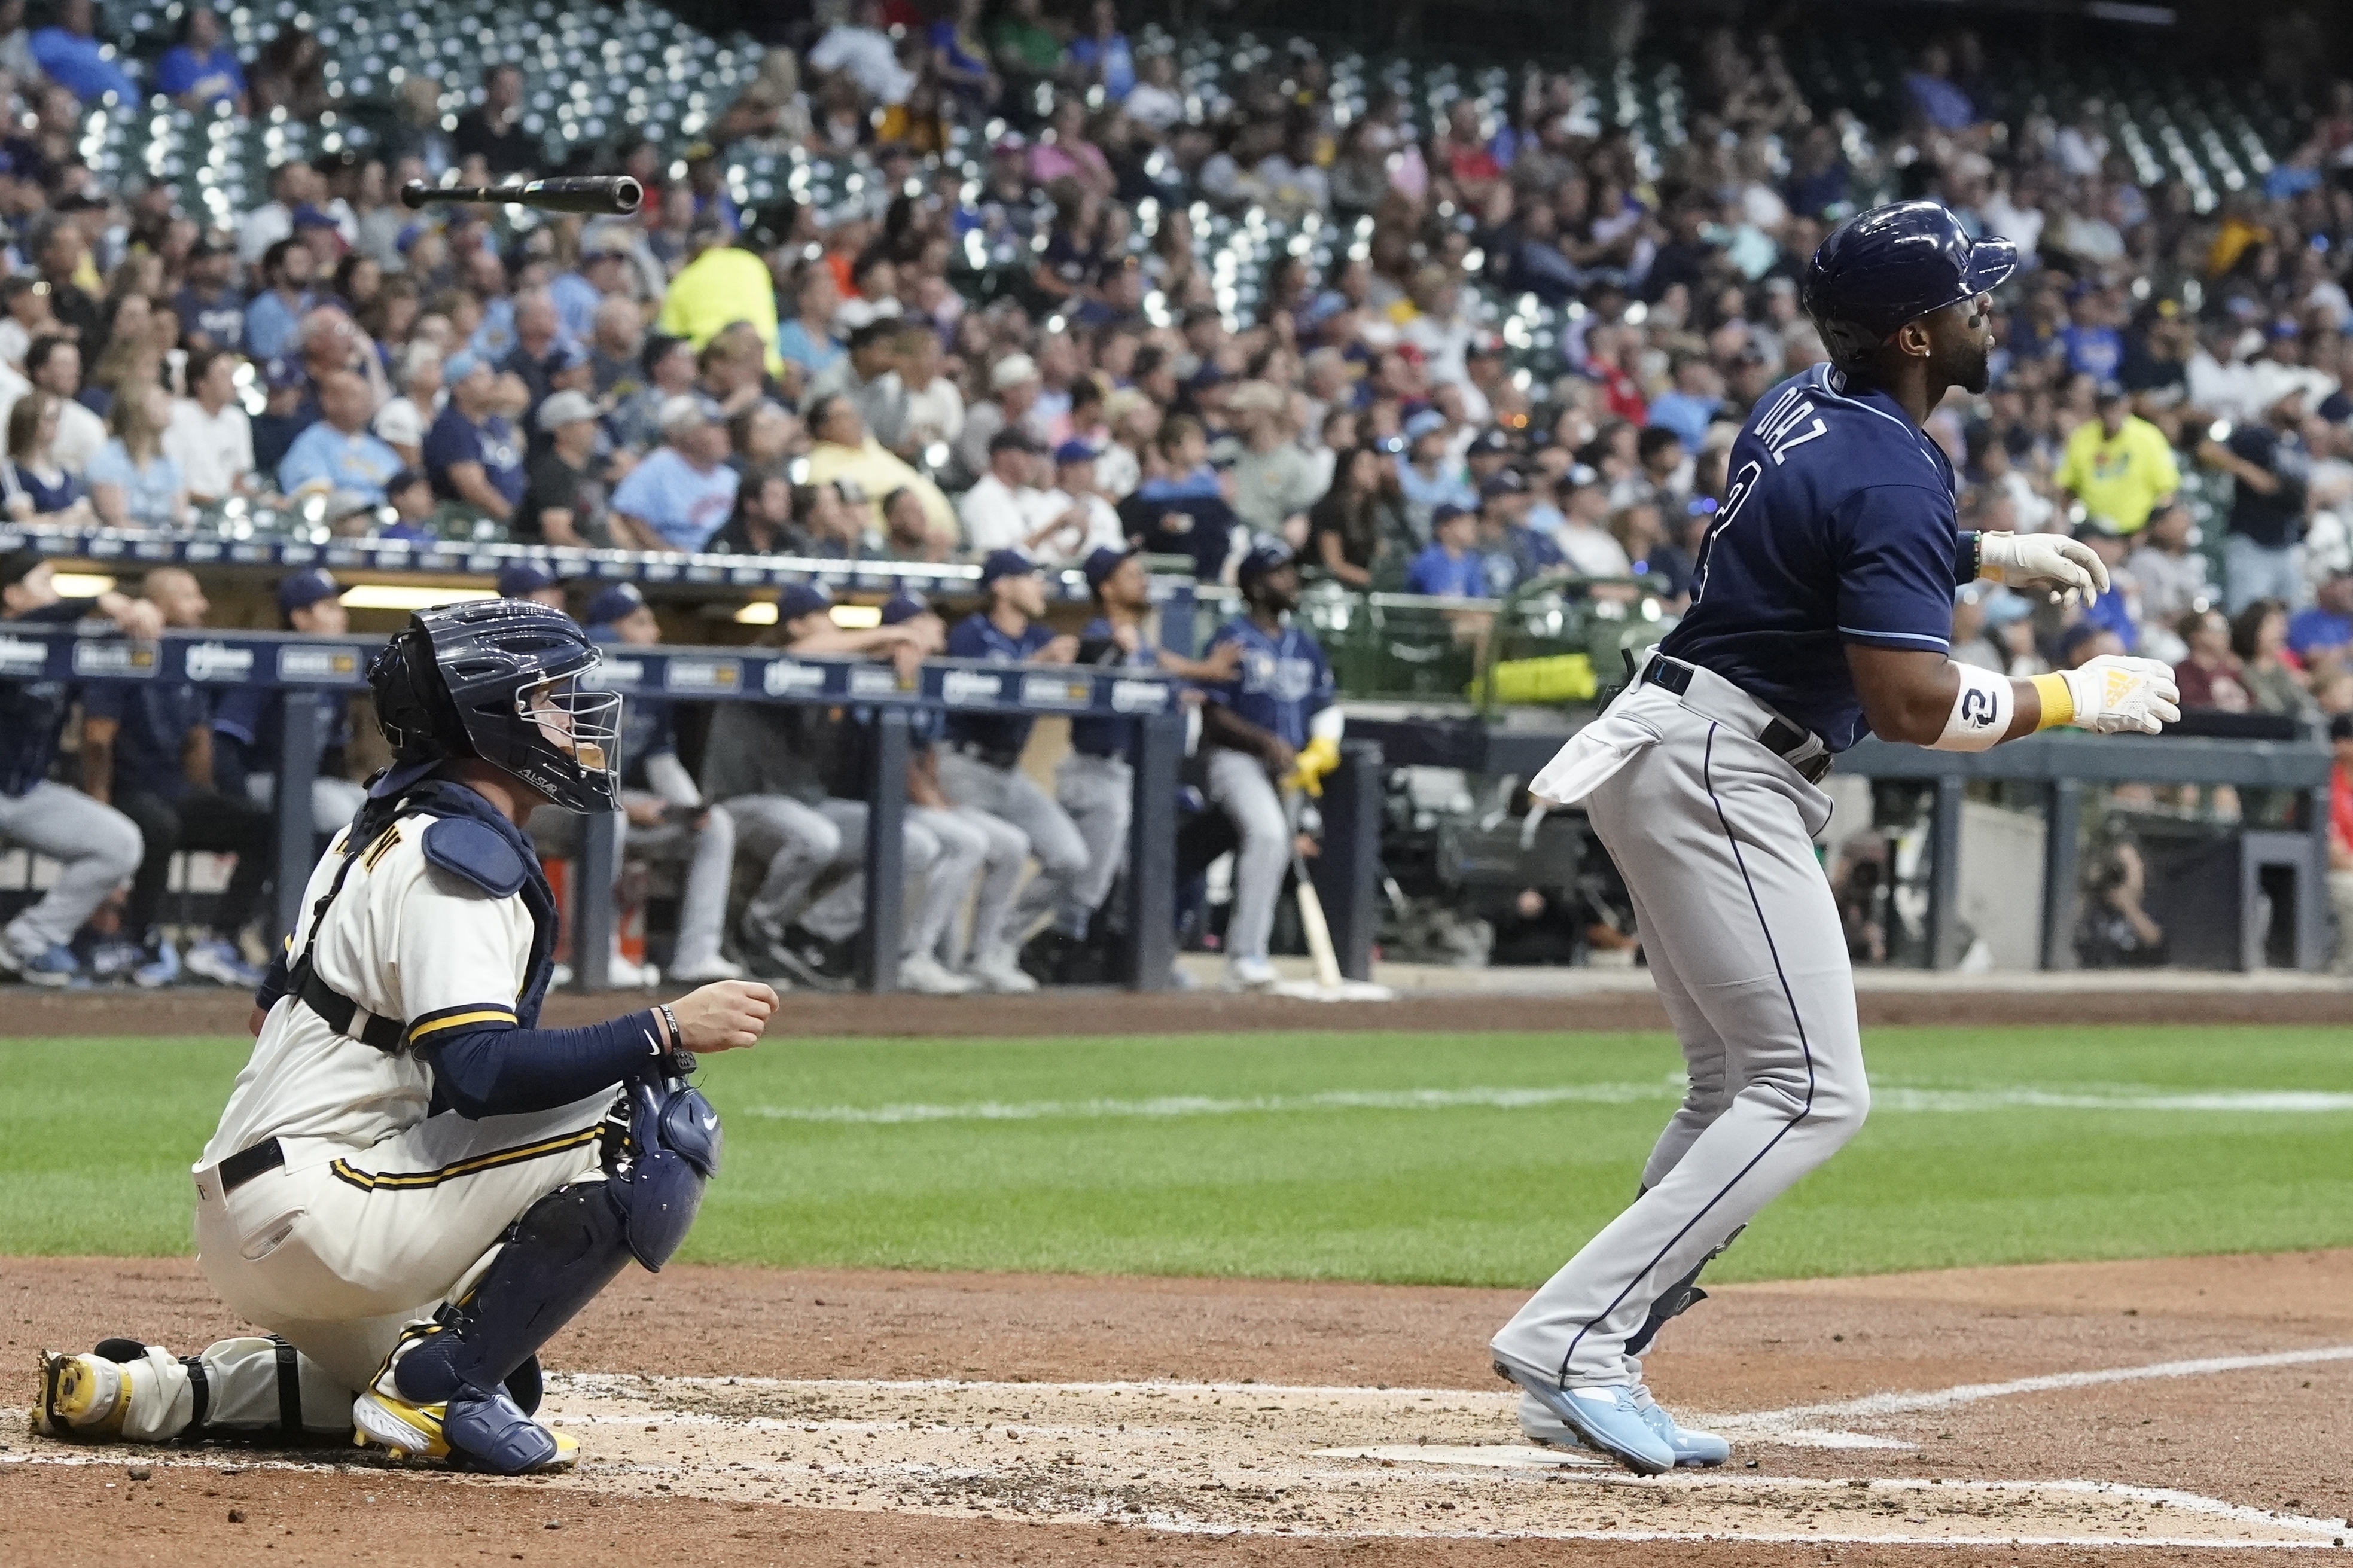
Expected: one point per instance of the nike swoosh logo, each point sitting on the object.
(708, 1122)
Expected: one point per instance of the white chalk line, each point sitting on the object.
(1885, 1098)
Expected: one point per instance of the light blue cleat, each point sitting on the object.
(1695, 1449)
(1609, 1420)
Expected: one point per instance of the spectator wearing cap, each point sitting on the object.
(1486, 454)
(338, 454)
(1687, 407)
(274, 315)
(1427, 478)
(719, 286)
(844, 452)
(209, 436)
(1451, 565)
(70, 55)
(765, 763)
(1274, 481)
(2261, 554)
(683, 491)
(1075, 487)
(1014, 386)
(523, 579)
(1009, 509)
(401, 422)
(2322, 631)
(1511, 553)
(211, 310)
(2119, 464)
(563, 502)
(201, 70)
(54, 365)
(981, 768)
(248, 721)
(867, 375)
(471, 452)
(664, 817)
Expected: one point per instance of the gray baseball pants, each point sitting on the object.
(1005, 849)
(1099, 794)
(1714, 834)
(1061, 854)
(708, 853)
(1240, 785)
(797, 840)
(97, 847)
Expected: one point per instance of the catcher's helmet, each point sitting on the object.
(1891, 265)
(499, 679)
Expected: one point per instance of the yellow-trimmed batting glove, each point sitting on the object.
(1315, 759)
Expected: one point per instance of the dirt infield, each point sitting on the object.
(2113, 1413)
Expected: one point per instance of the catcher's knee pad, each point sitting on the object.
(658, 1175)
(553, 1260)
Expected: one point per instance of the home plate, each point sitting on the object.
(1250, 1458)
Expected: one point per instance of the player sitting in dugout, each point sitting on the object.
(415, 1184)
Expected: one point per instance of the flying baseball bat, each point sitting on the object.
(615, 194)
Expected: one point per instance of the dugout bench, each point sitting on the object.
(299, 666)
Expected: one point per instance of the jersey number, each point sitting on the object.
(1744, 485)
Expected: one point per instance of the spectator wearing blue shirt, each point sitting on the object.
(338, 454)
(202, 70)
(684, 491)
(1427, 477)
(1102, 52)
(132, 484)
(601, 274)
(273, 320)
(1691, 404)
(211, 310)
(472, 453)
(1449, 566)
(2327, 627)
(805, 338)
(2090, 340)
(1510, 552)
(1934, 94)
(70, 56)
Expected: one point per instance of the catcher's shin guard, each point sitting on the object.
(566, 1248)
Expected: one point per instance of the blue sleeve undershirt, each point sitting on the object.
(505, 1070)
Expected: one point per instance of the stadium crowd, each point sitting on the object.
(1015, 345)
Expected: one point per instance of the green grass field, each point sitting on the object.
(1481, 1159)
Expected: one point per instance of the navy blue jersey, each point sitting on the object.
(155, 718)
(977, 637)
(249, 734)
(1282, 682)
(1108, 737)
(1838, 527)
(33, 711)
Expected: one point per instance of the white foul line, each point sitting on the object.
(1807, 1426)
(1885, 1098)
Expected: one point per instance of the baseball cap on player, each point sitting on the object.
(903, 607)
(1891, 265)
(522, 579)
(304, 589)
(1266, 556)
(1102, 561)
(1005, 563)
(795, 600)
(612, 602)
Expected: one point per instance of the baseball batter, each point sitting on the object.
(1821, 611)
(415, 1185)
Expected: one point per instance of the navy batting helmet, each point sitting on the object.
(1891, 265)
(1266, 555)
(500, 679)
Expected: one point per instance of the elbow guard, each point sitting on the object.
(1982, 710)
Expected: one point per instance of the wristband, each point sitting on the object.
(2058, 700)
(670, 1021)
(1981, 711)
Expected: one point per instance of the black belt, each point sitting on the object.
(994, 756)
(1780, 737)
(339, 1010)
(247, 1163)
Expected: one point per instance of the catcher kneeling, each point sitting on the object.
(414, 1185)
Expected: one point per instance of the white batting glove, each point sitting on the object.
(2114, 693)
(2067, 568)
